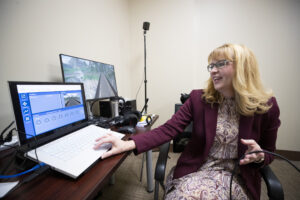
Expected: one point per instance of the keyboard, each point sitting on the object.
(73, 154)
(76, 142)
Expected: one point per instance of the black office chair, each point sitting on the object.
(274, 187)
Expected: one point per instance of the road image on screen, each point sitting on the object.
(72, 99)
(98, 78)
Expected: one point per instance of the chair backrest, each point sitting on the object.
(182, 140)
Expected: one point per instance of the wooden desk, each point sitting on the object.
(53, 185)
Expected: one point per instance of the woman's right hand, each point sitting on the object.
(118, 145)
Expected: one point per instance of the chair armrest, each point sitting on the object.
(274, 187)
(162, 162)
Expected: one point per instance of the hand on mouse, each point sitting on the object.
(118, 145)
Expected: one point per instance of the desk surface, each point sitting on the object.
(53, 185)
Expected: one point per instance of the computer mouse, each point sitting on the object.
(126, 129)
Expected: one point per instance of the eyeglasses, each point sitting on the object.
(220, 64)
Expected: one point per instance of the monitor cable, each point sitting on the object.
(262, 151)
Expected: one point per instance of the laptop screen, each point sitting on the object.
(46, 109)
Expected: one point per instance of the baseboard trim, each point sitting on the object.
(291, 155)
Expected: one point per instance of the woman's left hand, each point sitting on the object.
(254, 157)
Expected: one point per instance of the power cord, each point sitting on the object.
(8, 139)
(8, 136)
(11, 123)
(40, 165)
(262, 151)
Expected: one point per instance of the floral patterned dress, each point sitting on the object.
(212, 180)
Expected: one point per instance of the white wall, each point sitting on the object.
(271, 29)
(33, 33)
(181, 35)
(170, 53)
(183, 32)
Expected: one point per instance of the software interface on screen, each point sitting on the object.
(48, 107)
(98, 78)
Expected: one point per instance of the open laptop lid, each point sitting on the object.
(47, 110)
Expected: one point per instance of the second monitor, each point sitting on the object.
(98, 78)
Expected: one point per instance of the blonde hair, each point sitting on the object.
(250, 95)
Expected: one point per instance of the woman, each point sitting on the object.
(232, 116)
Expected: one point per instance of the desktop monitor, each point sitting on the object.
(98, 78)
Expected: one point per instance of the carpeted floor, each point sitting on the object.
(128, 187)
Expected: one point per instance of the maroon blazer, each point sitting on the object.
(260, 127)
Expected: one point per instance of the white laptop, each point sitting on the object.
(53, 125)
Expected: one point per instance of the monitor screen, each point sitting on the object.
(98, 78)
(41, 108)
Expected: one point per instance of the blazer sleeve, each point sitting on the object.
(270, 126)
(167, 131)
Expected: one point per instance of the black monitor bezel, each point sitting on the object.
(50, 135)
(63, 74)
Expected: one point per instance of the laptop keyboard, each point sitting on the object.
(68, 150)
